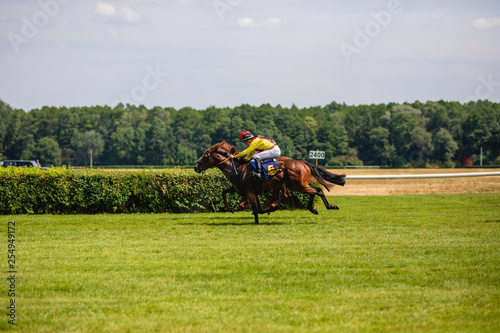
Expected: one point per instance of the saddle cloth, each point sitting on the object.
(269, 167)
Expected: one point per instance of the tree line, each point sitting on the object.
(415, 134)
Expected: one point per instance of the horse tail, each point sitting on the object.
(324, 177)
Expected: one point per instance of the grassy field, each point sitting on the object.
(421, 263)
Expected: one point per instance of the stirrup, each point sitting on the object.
(256, 174)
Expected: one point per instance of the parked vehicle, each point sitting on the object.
(22, 164)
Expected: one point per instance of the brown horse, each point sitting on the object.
(296, 176)
(270, 204)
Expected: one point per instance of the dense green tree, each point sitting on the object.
(444, 147)
(382, 151)
(88, 146)
(401, 126)
(421, 147)
(47, 150)
(12, 131)
(332, 137)
(350, 158)
(159, 149)
(29, 146)
(185, 155)
(122, 144)
(305, 137)
(480, 129)
(417, 134)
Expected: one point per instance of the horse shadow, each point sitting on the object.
(236, 221)
(230, 220)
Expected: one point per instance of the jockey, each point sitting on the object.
(259, 148)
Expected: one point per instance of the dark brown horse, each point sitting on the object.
(270, 204)
(296, 176)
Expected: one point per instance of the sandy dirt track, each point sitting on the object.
(487, 184)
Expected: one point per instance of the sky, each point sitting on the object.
(225, 53)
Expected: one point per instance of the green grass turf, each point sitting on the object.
(428, 263)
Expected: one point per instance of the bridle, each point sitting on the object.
(204, 168)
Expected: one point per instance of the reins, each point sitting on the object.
(232, 163)
(225, 160)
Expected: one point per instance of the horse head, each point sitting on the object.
(213, 156)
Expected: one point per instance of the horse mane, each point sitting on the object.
(225, 146)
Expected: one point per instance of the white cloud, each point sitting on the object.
(105, 9)
(130, 15)
(124, 14)
(483, 22)
(273, 22)
(246, 22)
(249, 22)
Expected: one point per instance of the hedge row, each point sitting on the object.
(92, 191)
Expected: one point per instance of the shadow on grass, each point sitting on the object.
(228, 219)
(239, 221)
(491, 221)
(225, 224)
(201, 217)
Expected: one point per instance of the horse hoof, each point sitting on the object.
(314, 211)
(335, 207)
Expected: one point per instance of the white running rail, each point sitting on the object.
(435, 175)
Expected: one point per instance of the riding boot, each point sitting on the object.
(258, 170)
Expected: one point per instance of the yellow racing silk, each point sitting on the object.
(257, 144)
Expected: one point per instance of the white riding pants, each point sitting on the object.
(269, 154)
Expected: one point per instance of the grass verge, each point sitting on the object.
(399, 263)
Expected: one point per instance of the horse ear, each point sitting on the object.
(233, 150)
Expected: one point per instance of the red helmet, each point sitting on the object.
(246, 135)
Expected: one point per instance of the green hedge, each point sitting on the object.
(92, 191)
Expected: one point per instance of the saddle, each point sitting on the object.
(269, 167)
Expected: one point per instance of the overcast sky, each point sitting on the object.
(198, 53)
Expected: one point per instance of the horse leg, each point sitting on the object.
(256, 208)
(313, 191)
(275, 197)
(260, 210)
(321, 194)
(310, 205)
(269, 210)
(323, 197)
(276, 200)
(242, 203)
(226, 204)
(224, 198)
